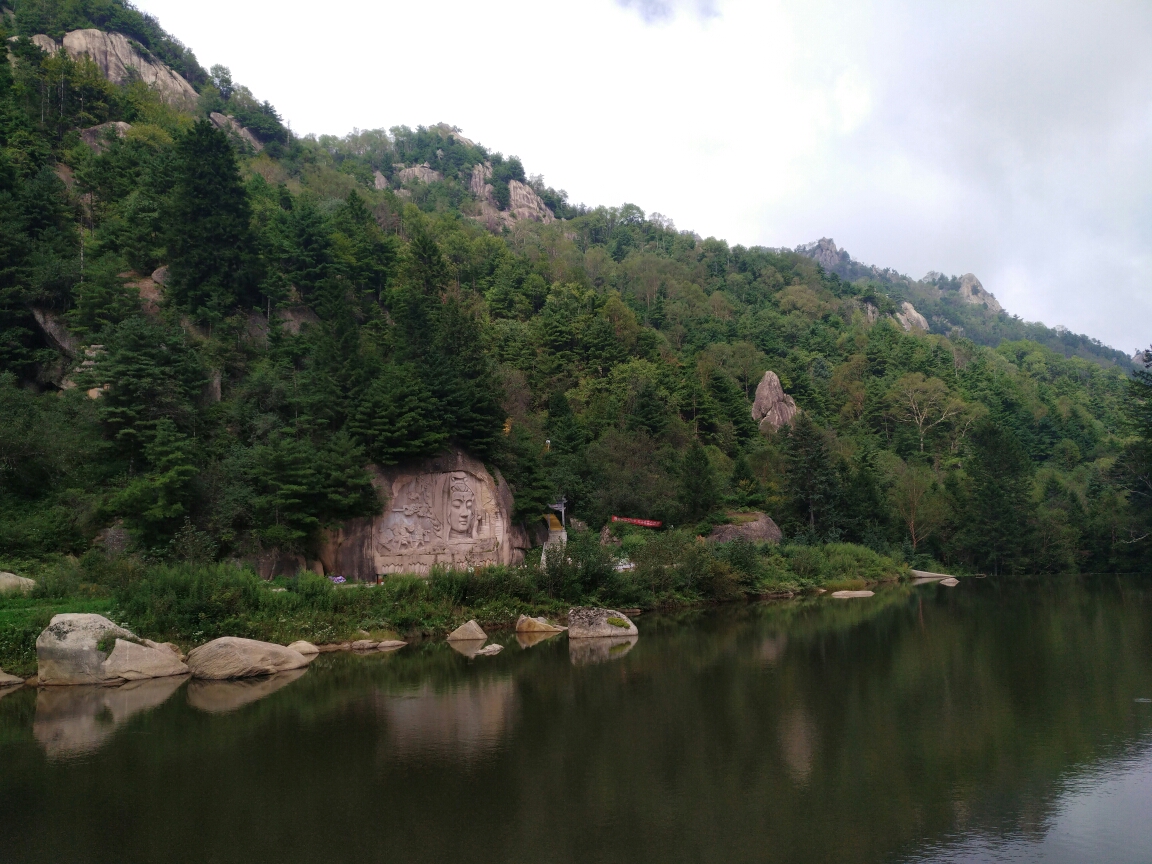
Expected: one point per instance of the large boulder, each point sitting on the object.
(773, 407)
(233, 657)
(10, 583)
(755, 527)
(910, 319)
(96, 137)
(524, 624)
(468, 632)
(84, 648)
(304, 647)
(588, 622)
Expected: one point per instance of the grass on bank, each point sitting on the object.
(191, 604)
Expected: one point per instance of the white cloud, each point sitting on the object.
(1009, 139)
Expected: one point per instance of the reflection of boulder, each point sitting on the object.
(446, 511)
(84, 648)
(797, 743)
(232, 657)
(220, 697)
(589, 622)
(469, 719)
(771, 649)
(527, 640)
(467, 647)
(74, 720)
(7, 689)
(583, 652)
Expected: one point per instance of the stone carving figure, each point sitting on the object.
(462, 518)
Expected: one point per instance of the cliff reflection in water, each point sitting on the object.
(917, 724)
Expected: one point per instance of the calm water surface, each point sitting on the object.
(995, 721)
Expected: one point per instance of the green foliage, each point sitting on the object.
(312, 323)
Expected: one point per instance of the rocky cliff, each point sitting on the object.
(115, 54)
(524, 202)
(910, 319)
(229, 125)
(773, 407)
(971, 291)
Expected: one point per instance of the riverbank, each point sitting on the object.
(190, 604)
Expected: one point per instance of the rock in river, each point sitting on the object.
(304, 647)
(467, 632)
(524, 624)
(851, 595)
(232, 657)
(84, 648)
(587, 622)
(489, 650)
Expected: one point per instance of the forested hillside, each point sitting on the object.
(209, 327)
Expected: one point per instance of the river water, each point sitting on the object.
(995, 721)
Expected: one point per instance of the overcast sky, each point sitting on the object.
(1011, 139)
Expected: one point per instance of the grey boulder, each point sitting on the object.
(10, 583)
(587, 622)
(68, 652)
(233, 657)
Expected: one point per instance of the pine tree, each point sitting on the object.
(812, 482)
(154, 503)
(997, 526)
(212, 262)
(699, 489)
(397, 418)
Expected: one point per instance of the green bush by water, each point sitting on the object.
(193, 603)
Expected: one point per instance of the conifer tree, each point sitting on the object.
(699, 489)
(397, 418)
(211, 248)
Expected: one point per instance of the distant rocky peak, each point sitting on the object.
(824, 253)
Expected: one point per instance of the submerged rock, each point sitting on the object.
(852, 595)
(390, 645)
(467, 632)
(586, 622)
(232, 657)
(950, 582)
(84, 648)
(489, 650)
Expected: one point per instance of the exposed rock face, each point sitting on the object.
(10, 583)
(526, 204)
(971, 291)
(229, 125)
(115, 55)
(909, 318)
(759, 529)
(524, 624)
(303, 647)
(45, 43)
(447, 510)
(379, 180)
(468, 632)
(825, 253)
(588, 622)
(773, 407)
(54, 329)
(232, 657)
(68, 652)
(424, 173)
(96, 136)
